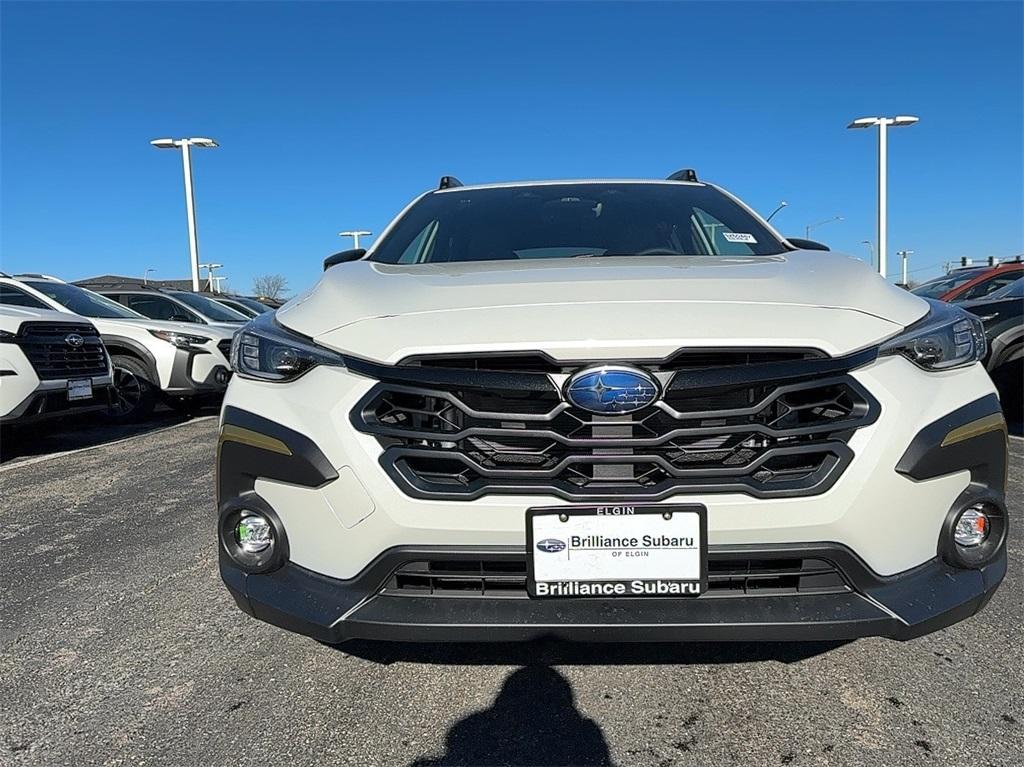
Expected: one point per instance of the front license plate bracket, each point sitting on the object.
(622, 551)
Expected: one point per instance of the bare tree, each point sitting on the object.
(270, 286)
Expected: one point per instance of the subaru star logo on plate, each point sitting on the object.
(551, 545)
(74, 340)
(611, 389)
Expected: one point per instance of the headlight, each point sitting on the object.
(948, 337)
(6, 335)
(181, 340)
(265, 350)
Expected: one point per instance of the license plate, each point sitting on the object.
(629, 551)
(80, 389)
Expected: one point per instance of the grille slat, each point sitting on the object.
(783, 437)
(44, 345)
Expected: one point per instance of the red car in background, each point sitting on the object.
(972, 283)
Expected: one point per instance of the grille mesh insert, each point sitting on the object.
(506, 578)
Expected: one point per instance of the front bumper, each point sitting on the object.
(919, 601)
(196, 372)
(938, 443)
(50, 400)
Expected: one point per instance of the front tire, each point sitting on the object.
(134, 394)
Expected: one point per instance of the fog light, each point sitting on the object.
(972, 527)
(254, 533)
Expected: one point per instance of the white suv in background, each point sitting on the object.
(608, 410)
(51, 364)
(176, 361)
(171, 305)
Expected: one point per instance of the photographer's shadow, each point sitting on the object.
(533, 721)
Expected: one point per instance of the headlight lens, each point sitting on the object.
(6, 335)
(181, 340)
(265, 350)
(948, 337)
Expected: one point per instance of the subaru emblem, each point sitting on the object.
(550, 545)
(74, 340)
(611, 389)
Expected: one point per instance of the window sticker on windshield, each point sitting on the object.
(738, 237)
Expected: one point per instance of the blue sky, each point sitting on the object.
(332, 116)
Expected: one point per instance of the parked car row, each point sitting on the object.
(995, 294)
(972, 283)
(141, 345)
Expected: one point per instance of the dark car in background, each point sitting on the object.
(1002, 314)
(250, 307)
(972, 283)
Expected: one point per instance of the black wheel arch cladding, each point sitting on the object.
(239, 464)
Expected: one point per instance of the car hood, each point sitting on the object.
(596, 307)
(11, 317)
(113, 325)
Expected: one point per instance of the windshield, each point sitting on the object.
(82, 301)
(1013, 290)
(541, 221)
(942, 285)
(210, 308)
(251, 303)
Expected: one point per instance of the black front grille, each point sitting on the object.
(728, 576)
(46, 346)
(225, 348)
(778, 435)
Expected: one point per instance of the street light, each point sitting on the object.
(145, 275)
(809, 227)
(211, 281)
(782, 205)
(903, 254)
(355, 235)
(883, 124)
(185, 145)
(871, 250)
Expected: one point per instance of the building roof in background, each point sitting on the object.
(120, 279)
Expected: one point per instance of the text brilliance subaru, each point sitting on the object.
(608, 410)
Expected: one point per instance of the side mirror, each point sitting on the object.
(182, 318)
(803, 244)
(343, 257)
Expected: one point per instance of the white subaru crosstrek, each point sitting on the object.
(608, 410)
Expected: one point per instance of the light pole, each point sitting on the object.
(903, 254)
(185, 145)
(871, 250)
(355, 235)
(782, 205)
(883, 124)
(211, 281)
(145, 275)
(809, 227)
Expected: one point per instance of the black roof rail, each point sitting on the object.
(449, 182)
(686, 174)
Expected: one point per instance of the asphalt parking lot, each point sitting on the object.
(120, 646)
